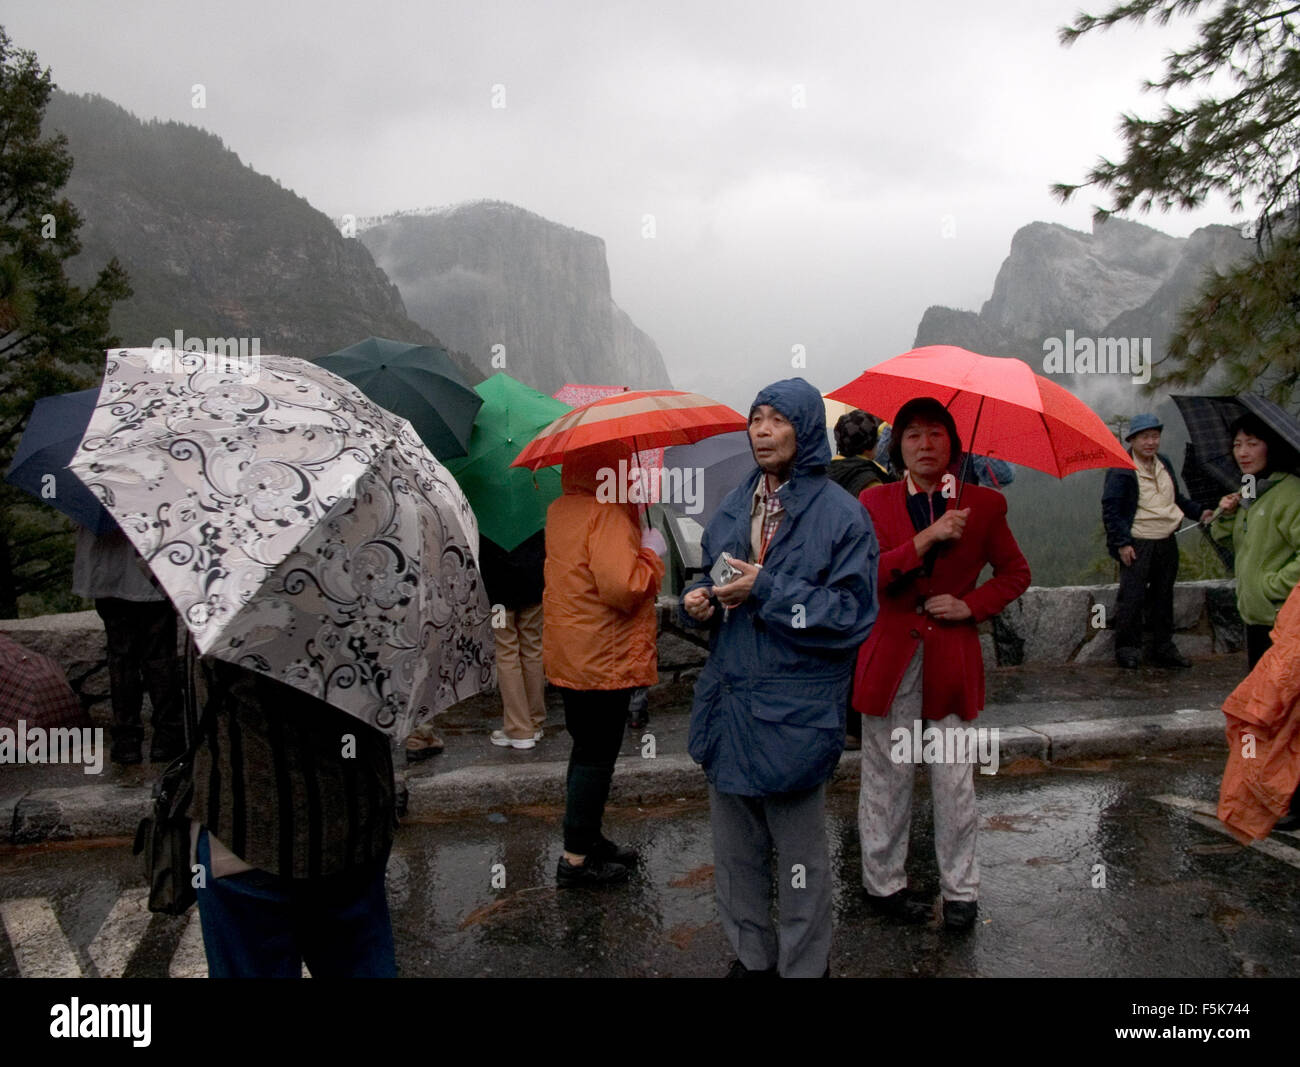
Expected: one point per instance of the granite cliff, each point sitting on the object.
(497, 281)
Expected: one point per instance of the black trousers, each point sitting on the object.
(595, 719)
(1257, 643)
(1146, 588)
(142, 655)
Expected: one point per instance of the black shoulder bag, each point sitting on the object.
(164, 836)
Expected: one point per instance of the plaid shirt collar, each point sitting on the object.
(769, 504)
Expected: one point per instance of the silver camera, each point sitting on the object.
(723, 573)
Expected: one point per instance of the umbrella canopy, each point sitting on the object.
(34, 688)
(1209, 467)
(53, 432)
(510, 503)
(721, 462)
(416, 383)
(637, 419)
(300, 530)
(575, 395)
(1001, 407)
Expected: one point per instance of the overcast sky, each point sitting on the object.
(818, 174)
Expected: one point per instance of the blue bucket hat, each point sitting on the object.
(1142, 422)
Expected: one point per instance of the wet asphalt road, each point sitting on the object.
(1179, 898)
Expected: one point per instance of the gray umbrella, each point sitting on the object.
(301, 531)
(718, 464)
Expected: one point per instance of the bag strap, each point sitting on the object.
(179, 773)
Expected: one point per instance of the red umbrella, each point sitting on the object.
(575, 394)
(1001, 407)
(647, 418)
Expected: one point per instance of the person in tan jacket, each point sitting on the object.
(599, 639)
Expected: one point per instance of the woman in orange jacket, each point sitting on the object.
(598, 644)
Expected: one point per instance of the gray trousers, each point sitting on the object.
(745, 832)
(885, 802)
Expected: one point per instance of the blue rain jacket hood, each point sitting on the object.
(768, 714)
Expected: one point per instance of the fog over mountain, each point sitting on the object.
(213, 248)
(516, 292)
(1095, 299)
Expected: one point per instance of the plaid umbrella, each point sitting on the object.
(300, 530)
(33, 688)
(1209, 467)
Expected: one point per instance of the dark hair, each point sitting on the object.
(1281, 456)
(924, 407)
(855, 432)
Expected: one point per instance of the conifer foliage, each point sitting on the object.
(1241, 140)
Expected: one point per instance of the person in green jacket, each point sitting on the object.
(1262, 523)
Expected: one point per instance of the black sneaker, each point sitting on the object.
(608, 852)
(901, 906)
(960, 914)
(739, 970)
(593, 874)
(1128, 658)
(1169, 656)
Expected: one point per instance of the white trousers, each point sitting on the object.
(885, 802)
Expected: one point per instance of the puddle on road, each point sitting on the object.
(1082, 874)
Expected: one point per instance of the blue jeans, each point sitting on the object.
(258, 925)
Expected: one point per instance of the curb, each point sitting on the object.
(70, 813)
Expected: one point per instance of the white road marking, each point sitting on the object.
(40, 947)
(1206, 814)
(121, 933)
(190, 961)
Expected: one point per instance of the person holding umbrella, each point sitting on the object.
(923, 658)
(1143, 509)
(599, 637)
(1262, 523)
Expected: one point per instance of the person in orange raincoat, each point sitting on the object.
(1263, 730)
(599, 637)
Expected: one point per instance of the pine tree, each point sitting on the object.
(1244, 143)
(52, 333)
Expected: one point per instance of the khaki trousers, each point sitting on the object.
(519, 672)
(885, 802)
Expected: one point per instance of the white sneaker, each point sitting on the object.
(504, 740)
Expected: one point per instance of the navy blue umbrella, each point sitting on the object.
(53, 433)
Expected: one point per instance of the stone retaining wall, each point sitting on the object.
(1045, 626)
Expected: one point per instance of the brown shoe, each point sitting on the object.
(421, 743)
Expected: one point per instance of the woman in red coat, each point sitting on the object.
(923, 660)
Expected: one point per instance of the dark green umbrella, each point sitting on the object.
(510, 502)
(416, 382)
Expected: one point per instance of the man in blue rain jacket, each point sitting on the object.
(767, 723)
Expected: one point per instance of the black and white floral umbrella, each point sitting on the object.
(300, 530)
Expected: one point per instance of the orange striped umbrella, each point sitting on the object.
(647, 418)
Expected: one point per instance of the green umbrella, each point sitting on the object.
(415, 382)
(510, 502)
